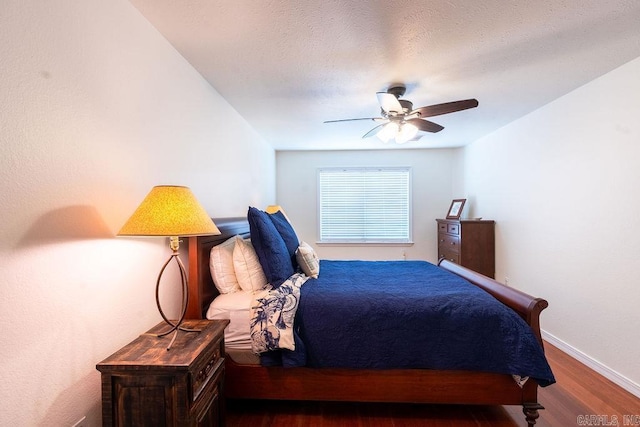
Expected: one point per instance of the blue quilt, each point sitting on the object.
(407, 314)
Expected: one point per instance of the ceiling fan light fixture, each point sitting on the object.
(404, 122)
(406, 133)
(388, 132)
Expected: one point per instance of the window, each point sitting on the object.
(364, 205)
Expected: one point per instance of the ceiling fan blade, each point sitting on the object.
(447, 107)
(389, 103)
(425, 125)
(373, 131)
(351, 120)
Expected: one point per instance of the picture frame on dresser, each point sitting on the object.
(455, 210)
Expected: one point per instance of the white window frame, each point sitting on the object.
(377, 237)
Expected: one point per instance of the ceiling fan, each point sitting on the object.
(401, 122)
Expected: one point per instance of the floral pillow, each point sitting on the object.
(272, 316)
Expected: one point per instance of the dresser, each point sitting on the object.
(470, 243)
(144, 384)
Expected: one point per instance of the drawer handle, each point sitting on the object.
(204, 372)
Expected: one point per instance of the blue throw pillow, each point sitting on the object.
(270, 247)
(288, 234)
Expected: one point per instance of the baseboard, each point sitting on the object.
(591, 363)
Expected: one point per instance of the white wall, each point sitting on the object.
(562, 184)
(296, 179)
(96, 109)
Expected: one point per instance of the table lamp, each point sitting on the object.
(170, 211)
(271, 209)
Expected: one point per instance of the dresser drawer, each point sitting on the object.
(449, 255)
(442, 228)
(453, 229)
(447, 242)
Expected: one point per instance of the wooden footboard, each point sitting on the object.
(528, 307)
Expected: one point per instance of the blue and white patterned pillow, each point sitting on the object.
(272, 315)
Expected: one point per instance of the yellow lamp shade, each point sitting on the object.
(273, 209)
(169, 210)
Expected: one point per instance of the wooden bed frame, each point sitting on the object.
(398, 385)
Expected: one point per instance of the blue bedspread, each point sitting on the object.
(408, 314)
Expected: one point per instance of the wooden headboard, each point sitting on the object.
(201, 288)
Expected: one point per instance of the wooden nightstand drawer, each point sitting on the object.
(205, 370)
(208, 402)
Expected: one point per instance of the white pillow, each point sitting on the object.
(249, 272)
(221, 267)
(308, 260)
(235, 307)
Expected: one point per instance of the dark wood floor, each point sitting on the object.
(579, 391)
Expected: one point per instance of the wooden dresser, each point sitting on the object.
(143, 384)
(470, 243)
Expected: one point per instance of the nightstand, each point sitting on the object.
(144, 384)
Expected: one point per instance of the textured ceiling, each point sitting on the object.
(287, 66)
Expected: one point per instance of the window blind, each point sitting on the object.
(364, 205)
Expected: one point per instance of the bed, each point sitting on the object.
(412, 385)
